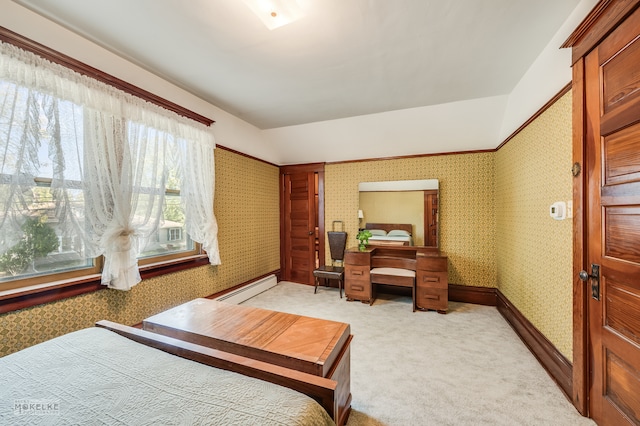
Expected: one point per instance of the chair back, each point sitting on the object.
(337, 243)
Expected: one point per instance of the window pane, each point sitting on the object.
(42, 245)
(170, 237)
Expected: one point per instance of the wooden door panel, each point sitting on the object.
(622, 233)
(622, 194)
(299, 209)
(622, 302)
(299, 228)
(622, 77)
(298, 275)
(300, 261)
(621, 388)
(613, 218)
(300, 246)
(622, 156)
(299, 185)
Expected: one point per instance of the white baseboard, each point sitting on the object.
(248, 291)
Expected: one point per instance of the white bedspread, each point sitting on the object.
(97, 377)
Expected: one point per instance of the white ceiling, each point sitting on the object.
(345, 58)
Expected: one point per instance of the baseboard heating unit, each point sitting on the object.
(248, 291)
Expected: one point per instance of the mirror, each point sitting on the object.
(390, 207)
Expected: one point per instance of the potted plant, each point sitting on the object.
(363, 236)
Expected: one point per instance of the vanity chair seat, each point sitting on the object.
(337, 242)
(398, 277)
(329, 272)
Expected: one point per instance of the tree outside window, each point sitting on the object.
(39, 239)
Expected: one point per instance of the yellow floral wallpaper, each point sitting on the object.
(494, 228)
(534, 251)
(247, 210)
(467, 214)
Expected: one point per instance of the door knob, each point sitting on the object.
(595, 280)
(584, 276)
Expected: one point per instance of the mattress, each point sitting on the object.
(94, 376)
(391, 240)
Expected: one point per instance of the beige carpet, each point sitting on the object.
(467, 367)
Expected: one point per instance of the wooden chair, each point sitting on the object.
(337, 243)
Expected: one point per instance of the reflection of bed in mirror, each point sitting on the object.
(390, 234)
(402, 201)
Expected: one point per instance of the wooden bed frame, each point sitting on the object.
(323, 390)
(381, 241)
(391, 226)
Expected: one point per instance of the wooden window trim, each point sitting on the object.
(21, 298)
(52, 55)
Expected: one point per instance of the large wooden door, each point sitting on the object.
(612, 100)
(302, 222)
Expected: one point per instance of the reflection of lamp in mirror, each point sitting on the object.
(360, 217)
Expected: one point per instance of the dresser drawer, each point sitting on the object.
(357, 282)
(426, 279)
(357, 258)
(431, 263)
(357, 273)
(431, 298)
(358, 289)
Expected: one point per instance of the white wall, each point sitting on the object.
(228, 130)
(550, 72)
(456, 126)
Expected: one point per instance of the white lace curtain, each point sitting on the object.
(110, 150)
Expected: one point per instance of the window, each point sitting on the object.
(93, 180)
(44, 251)
(175, 234)
(169, 241)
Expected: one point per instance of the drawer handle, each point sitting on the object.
(356, 272)
(431, 296)
(430, 279)
(357, 287)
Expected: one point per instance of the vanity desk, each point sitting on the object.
(429, 288)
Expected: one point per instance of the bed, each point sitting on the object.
(390, 234)
(113, 374)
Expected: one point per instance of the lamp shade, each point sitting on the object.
(360, 214)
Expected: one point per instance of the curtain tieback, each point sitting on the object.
(119, 240)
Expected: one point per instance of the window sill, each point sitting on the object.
(13, 300)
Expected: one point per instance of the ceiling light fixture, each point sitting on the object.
(276, 13)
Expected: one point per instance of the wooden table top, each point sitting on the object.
(302, 343)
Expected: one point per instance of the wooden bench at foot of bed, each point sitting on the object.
(323, 390)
